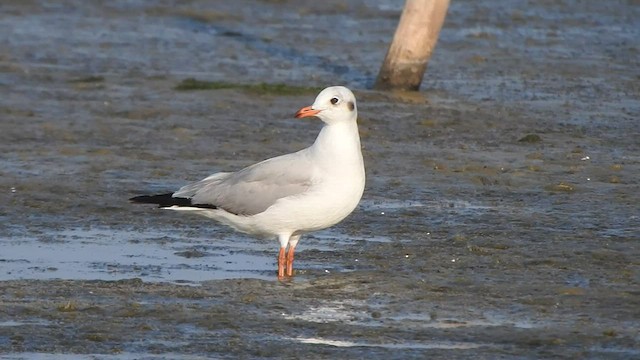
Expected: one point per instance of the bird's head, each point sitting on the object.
(334, 104)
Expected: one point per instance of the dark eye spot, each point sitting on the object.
(334, 100)
(351, 105)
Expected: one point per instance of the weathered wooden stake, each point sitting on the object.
(412, 44)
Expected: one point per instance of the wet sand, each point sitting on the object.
(500, 217)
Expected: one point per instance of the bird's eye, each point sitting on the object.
(335, 100)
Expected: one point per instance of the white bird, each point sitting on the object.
(290, 195)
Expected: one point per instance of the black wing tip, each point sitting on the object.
(162, 200)
(167, 200)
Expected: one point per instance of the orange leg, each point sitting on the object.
(290, 260)
(281, 263)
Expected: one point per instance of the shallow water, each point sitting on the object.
(472, 240)
(107, 254)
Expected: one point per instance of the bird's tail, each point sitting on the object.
(167, 200)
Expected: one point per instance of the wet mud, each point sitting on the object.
(500, 217)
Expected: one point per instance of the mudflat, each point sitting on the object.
(500, 217)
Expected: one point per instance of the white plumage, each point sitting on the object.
(289, 195)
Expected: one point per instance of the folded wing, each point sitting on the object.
(255, 188)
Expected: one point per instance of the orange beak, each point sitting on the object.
(306, 112)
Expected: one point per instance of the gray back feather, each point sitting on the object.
(255, 188)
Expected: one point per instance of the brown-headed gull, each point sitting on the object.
(289, 195)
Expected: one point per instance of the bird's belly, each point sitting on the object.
(313, 211)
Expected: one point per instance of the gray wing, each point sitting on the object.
(253, 189)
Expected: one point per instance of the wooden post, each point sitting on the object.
(412, 45)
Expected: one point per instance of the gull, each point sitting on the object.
(291, 195)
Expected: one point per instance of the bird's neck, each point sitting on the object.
(339, 142)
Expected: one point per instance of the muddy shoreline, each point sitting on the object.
(500, 216)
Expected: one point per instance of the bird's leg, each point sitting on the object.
(282, 260)
(290, 261)
(293, 241)
(281, 263)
